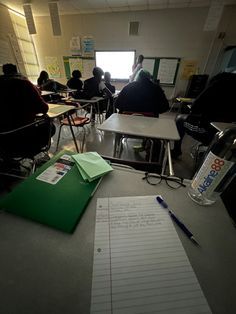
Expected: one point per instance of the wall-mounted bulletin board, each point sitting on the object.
(85, 65)
(163, 69)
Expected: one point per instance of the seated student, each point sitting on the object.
(95, 87)
(47, 84)
(142, 96)
(21, 102)
(215, 103)
(75, 81)
(112, 89)
(107, 79)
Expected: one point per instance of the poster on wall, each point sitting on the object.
(75, 48)
(88, 47)
(52, 66)
(167, 70)
(88, 65)
(75, 64)
(189, 67)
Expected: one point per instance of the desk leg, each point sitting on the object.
(171, 170)
(72, 132)
(164, 159)
(98, 112)
(116, 144)
(167, 156)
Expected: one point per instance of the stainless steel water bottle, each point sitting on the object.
(218, 169)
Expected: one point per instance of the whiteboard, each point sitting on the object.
(164, 69)
(167, 70)
(148, 64)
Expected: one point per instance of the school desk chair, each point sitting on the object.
(76, 121)
(24, 143)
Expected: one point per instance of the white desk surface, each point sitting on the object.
(141, 126)
(46, 93)
(87, 101)
(221, 126)
(67, 90)
(56, 110)
(47, 271)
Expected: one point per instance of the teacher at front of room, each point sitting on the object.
(136, 67)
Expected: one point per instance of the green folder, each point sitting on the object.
(59, 206)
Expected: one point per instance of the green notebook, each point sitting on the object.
(59, 204)
(91, 165)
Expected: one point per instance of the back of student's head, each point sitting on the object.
(107, 77)
(76, 74)
(143, 76)
(43, 77)
(9, 69)
(98, 72)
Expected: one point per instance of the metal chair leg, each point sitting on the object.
(58, 138)
(151, 150)
(83, 140)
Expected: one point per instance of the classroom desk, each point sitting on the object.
(46, 93)
(57, 110)
(92, 102)
(47, 271)
(66, 92)
(143, 127)
(221, 126)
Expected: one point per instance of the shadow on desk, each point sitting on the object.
(146, 166)
(229, 199)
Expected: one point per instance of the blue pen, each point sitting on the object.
(176, 220)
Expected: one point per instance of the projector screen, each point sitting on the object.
(118, 63)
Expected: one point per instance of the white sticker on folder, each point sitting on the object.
(56, 172)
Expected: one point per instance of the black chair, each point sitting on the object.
(23, 143)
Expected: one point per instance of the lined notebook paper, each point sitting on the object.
(140, 265)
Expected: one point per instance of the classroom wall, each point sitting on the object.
(9, 47)
(163, 33)
(6, 54)
(227, 27)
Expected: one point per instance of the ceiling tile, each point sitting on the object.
(40, 7)
(178, 2)
(103, 10)
(157, 6)
(98, 4)
(120, 9)
(178, 5)
(139, 7)
(199, 3)
(158, 2)
(137, 2)
(76, 4)
(117, 3)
